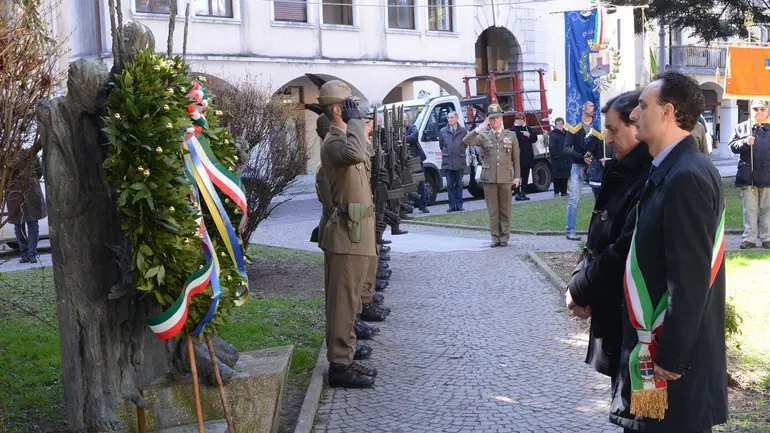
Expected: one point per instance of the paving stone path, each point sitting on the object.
(477, 342)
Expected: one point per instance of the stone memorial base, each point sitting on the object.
(254, 395)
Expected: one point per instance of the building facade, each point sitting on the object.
(386, 50)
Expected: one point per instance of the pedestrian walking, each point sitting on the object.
(561, 158)
(751, 140)
(499, 170)
(26, 206)
(672, 376)
(581, 141)
(453, 159)
(596, 287)
(349, 236)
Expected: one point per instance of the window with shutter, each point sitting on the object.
(154, 6)
(294, 10)
(339, 12)
(401, 14)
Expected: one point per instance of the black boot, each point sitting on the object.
(378, 298)
(364, 331)
(382, 265)
(349, 376)
(384, 249)
(363, 351)
(384, 274)
(381, 285)
(384, 257)
(386, 241)
(372, 313)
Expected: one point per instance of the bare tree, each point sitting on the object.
(271, 133)
(28, 55)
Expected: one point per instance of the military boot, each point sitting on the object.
(372, 313)
(378, 299)
(384, 274)
(386, 241)
(361, 368)
(382, 265)
(384, 249)
(364, 331)
(363, 351)
(381, 285)
(384, 257)
(349, 376)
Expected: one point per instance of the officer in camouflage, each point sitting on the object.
(348, 237)
(500, 155)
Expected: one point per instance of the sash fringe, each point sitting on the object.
(649, 403)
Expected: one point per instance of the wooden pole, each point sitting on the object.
(222, 396)
(196, 390)
(141, 420)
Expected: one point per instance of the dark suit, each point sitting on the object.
(679, 211)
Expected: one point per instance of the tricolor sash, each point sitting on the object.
(649, 396)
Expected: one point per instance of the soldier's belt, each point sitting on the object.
(342, 209)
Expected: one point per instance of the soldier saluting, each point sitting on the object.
(500, 156)
(349, 237)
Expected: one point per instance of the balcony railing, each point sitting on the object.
(698, 57)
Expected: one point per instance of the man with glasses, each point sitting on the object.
(751, 140)
(526, 138)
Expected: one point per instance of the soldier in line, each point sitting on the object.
(500, 155)
(323, 192)
(348, 237)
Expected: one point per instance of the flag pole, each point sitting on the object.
(748, 22)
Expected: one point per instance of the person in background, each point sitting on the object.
(561, 161)
(699, 133)
(416, 150)
(596, 286)
(26, 206)
(580, 143)
(526, 138)
(453, 160)
(751, 140)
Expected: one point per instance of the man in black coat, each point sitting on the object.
(674, 305)
(561, 161)
(526, 138)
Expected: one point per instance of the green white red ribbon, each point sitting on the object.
(648, 394)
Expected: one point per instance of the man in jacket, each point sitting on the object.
(415, 150)
(450, 140)
(581, 141)
(26, 206)
(751, 140)
(349, 236)
(526, 138)
(699, 133)
(672, 376)
(500, 168)
(561, 160)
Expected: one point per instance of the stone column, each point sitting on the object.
(728, 120)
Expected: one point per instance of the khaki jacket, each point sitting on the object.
(699, 132)
(323, 191)
(501, 154)
(345, 161)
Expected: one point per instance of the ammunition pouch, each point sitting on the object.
(356, 213)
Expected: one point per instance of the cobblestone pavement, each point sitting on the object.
(477, 342)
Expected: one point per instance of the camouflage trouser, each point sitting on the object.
(756, 214)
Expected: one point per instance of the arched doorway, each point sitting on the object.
(420, 87)
(497, 49)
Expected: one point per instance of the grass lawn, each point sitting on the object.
(549, 215)
(749, 352)
(31, 390)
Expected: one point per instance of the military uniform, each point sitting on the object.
(500, 156)
(348, 235)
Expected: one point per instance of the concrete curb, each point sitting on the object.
(306, 417)
(483, 229)
(557, 282)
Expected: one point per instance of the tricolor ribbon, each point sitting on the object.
(649, 396)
